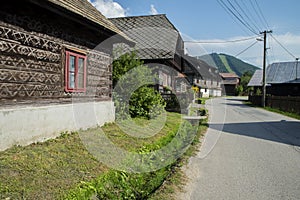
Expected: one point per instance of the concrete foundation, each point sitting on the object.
(25, 125)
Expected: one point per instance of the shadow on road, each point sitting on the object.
(281, 131)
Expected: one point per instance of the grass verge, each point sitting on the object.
(63, 169)
(175, 181)
(288, 114)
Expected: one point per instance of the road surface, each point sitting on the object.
(247, 153)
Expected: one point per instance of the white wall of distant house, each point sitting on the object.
(25, 125)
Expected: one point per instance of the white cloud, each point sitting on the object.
(253, 55)
(109, 8)
(153, 10)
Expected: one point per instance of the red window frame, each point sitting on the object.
(68, 71)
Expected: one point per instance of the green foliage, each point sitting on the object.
(258, 92)
(123, 185)
(243, 89)
(133, 94)
(239, 90)
(123, 64)
(146, 102)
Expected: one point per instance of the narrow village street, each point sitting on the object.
(247, 153)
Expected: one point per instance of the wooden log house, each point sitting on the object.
(49, 54)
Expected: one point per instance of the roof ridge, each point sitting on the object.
(137, 16)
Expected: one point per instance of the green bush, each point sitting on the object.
(146, 102)
(133, 94)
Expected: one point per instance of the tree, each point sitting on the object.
(134, 94)
(245, 78)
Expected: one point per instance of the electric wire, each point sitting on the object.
(261, 13)
(246, 49)
(229, 10)
(257, 12)
(241, 16)
(247, 16)
(221, 42)
(292, 55)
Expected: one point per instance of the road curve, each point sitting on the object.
(247, 153)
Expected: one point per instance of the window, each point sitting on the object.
(75, 72)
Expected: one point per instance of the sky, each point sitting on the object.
(208, 27)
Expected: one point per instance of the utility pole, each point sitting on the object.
(297, 59)
(264, 67)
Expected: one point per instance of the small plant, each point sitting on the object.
(258, 92)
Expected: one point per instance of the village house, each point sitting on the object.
(230, 81)
(205, 77)
(158, 43)
(54, 75)
(282, 79)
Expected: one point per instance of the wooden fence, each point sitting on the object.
(284, 103)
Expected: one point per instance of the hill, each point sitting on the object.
(226, 63)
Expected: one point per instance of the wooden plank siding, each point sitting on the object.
(33, 41)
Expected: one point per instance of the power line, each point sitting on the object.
(257, 12)
(246, 49)
(231, 12)
(241, 16)
(250, 18)
(283, 47)
(221, 42)
(261, 13)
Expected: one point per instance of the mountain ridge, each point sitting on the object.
(228, 64)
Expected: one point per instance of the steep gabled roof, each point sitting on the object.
(85, 9)
(256, 79)
(206, 71)
(281, 72)
(155, 36)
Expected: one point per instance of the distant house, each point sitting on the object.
(230, 81)
(158, 42)
(203, 76)
(283, 79)
(256, 82)
(51, 70)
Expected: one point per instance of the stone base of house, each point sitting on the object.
(25, 125)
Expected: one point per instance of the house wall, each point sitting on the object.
(215, 92)
(25, 125)
(284, 89)
(33, 42)
(229, 90)
(204, 93)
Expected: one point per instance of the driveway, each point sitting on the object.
(247, 153)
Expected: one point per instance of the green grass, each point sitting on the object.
(288, 114)
(46, 170)
(226, 64)
(175, 181)
(62, 168)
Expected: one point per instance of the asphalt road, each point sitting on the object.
(247, 153)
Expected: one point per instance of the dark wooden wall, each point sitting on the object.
(33, 41)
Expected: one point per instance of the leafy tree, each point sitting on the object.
(123, 64)
(243, 88)
(134, 94)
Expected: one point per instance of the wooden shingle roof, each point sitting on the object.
(84, 9)
(155, 36)
(206, 71)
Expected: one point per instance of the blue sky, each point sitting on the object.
(206, 20)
